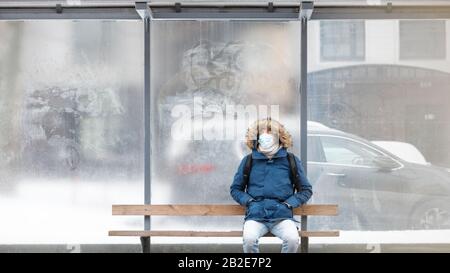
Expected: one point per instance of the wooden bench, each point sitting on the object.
(214, 210)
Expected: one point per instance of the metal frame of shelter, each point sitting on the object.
(146, 11)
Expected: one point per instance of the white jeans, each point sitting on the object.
(286, 230)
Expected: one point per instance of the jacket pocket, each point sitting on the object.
(255, 210)
(283, 211)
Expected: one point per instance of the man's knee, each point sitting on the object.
(250, 239)
(291, 239)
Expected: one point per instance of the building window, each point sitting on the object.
(422, 40)
(342, 40)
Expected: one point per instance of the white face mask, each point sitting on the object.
(266, 140)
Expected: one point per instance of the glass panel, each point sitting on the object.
(395, 112)
(200, 71)
(71, 136)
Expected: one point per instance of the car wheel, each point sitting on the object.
(431, 215)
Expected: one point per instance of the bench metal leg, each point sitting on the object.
(304, 243)
(145, 243)
(304, 112)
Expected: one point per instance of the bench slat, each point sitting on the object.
(188, 233)
(211, 210)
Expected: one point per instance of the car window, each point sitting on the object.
(344, 151)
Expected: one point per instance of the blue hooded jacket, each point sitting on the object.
(270, 187)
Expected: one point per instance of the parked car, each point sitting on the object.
(375, 189)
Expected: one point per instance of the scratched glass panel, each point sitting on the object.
(198, 70)
(71, 135)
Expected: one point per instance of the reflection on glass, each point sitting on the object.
(342, 40)
(381, 151)
(414, 32)
(70, 128)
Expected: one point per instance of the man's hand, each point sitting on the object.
(249, 201)
(287, 204)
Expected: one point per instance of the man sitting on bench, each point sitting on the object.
(270, 182)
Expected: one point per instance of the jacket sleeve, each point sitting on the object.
(300, 197)
(237, 188)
